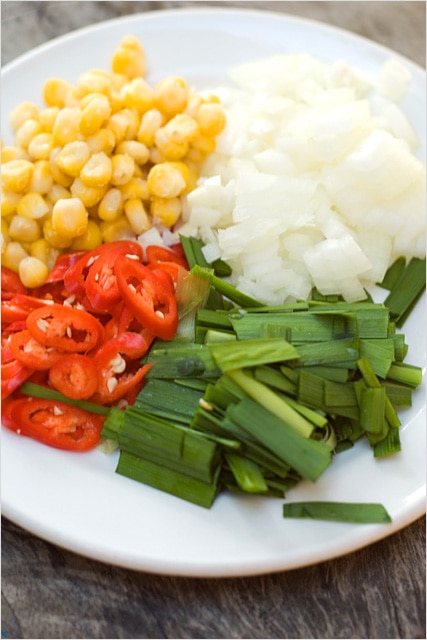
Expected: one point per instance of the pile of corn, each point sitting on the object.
(102, 161)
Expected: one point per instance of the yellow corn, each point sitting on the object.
(151, 121)
(14, 152)
(90, 239)
(32, 206)
(69, 217)
(97, 171)
(111, 206)
(32, 272)
(90, 196)
(166, 210)
(44, 252)
(9, 202)
(137, 216)
(22, 113)
(12, 255)
(94, 81)
(40, 146)
(124, 124)
(171, 95)
(129, 59)
(56, 91)
(73, 157)
(57, 192)
(41, 180)
(123, 169)
(66, 127)
(58, 176)
(136, 150)
(5, 238)
(135, 188)
(94, 114)
(24, 229)
(47, 118)
(165, 181)
(120, 229)
(55, 239)
(138, 94)
(103, 140)
(211, 119)
(168, 148)
(16, 175)
(27, 131)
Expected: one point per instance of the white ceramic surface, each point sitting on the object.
(76, 500)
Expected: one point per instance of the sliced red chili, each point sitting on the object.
(13, 374)
(147, 297)
(119, 368)
(19, 307)
(54, 423)
(32, 353)
(10, 283)
(62, 264)
(75, 277)
(65, 328)
(156, 253)
(75, 375)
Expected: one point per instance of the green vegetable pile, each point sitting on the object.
(261, 398)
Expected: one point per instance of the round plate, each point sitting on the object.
(77, 501)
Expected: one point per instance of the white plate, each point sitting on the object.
(76, 500)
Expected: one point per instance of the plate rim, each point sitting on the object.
(412, 512)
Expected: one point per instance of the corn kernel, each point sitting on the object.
(58, 176)
(5, 238)
(66, 127)
(94, 81)
(73, 157)
(138, 94)
(120, 229)
(47, 118)
(9, 202)
(211, 119)
(69, 217)
(124, 124)
(57, 192)
(204, 144)
(97, 171)
(22, 113)
(102, 140)
(40, 147)
(123, 169)
(135, 188)
(27, 131)
(171, 95)
(12, 255)
(136, 150)
(24, 229)
(111, 206)
(90, 239)
(129, 59)
(33, 206)
(55, 92)
(165, 181)
(32, 272)
(42, 180)
(55, 239)
(90, 196)
(9, 153)
(137, 216)
(193, 104)
(16, 175)
(166, 210)
(94, 114)
(168, 148)
(151, 121)
(44, 252)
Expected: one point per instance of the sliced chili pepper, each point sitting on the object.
(10, 283)
(75, 277)
(32, 353)
(101, 283)
(119, 369)
(147, 297)
(19, 307)
(54, 423)
(75, 375)
(13, 374)
(156, 253)
(65, 328)
(62, 264)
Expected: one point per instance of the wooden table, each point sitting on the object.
(377, 592)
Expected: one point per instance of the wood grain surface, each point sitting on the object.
(377, 592)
